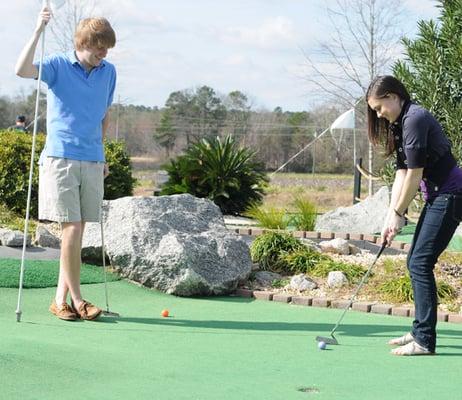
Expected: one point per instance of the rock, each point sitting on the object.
(255, 266)
(336, 279)
(354, 250)
(311, 244)
(366, 217)
(91, 244)
(264, 279)
(44, 238)
(302, 283)
(177, 244)
(336, 246)
(13, 238)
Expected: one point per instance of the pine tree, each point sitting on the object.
(432, 69)
(165, 134)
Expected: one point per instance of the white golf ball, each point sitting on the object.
(322, 345)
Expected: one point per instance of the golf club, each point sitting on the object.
(31, 172)
(106, 312)
(332, 339)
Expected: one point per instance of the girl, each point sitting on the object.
(423, 159)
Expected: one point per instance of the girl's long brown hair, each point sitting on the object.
(378, 128)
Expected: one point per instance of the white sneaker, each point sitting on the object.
(412, 349)
(401, 341)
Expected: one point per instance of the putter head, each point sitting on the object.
(112, 314)
(327, 340)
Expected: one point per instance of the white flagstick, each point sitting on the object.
(31, 173)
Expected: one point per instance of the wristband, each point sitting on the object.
(397, 213)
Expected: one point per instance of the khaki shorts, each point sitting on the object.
(70, 190)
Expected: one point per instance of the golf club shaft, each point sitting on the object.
(363, 280)
(31, 174)
(103, 254)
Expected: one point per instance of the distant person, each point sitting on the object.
(72, 165)
(20, 124)
(423, 159)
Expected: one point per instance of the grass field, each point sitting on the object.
(327, 191)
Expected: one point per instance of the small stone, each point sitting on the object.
(13, 238)
(354, 250)
(302, 283)
(336, 246)
(336, 279)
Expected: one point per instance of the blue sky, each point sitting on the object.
(254, 46)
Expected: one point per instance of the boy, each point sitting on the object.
(72, 168)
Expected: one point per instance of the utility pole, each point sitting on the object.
(314, 154)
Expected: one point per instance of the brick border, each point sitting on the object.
(359, 306)
(322, 302)
(325, 235)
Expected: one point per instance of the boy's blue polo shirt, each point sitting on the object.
(77, 102)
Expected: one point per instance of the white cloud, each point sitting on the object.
(273, 32)
(423, 9)
(166, 46)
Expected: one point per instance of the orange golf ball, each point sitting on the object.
(164, 313)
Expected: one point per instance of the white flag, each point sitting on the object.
(344, 121)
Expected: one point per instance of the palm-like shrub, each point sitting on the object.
(219, 170)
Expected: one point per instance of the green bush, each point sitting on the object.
(352, 272)
(268, 250)
(305, 218)
(219, 170)
(280, 283)
(304, 260)
(120, 181)
(399, 290)
(15, 152)
(311, 262)
(268, 217)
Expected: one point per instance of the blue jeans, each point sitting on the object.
(435, 228)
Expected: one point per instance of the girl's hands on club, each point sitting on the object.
(43, 19)
(391, 228)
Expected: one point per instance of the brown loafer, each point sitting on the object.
(88, 311)
(64, 311)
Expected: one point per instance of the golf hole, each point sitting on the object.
(308, 390)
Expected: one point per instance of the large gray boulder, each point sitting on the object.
(177, 244)
(366, 217)
(92, 242)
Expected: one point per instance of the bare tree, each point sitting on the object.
(363, 44)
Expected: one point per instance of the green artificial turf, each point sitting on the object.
(212, 348)
(42, 274)
(407, 233)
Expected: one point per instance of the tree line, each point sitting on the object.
(194, 114)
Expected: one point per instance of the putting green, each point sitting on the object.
(44, 273)
(212, 348)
